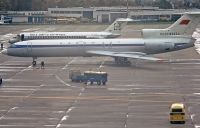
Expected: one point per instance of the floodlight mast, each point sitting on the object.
(127, 8)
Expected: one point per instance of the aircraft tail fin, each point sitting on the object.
(118, 25)
(187, 24)
(184, 26)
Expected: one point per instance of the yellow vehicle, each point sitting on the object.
(177, 113)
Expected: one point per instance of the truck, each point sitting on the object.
(76, 76)
(91, 77)
(177, 113)
(96, 77)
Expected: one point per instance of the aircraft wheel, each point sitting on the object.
(91, 82)
(99, 83)
(34, 63)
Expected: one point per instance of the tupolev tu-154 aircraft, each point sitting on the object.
(176, 37)
(113, 31)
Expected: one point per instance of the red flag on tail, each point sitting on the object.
(184, 22)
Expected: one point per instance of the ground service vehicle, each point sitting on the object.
(88, 77)
(177, 113)
(76, 76)
(98, 77)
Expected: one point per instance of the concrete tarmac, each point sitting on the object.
(136, 96)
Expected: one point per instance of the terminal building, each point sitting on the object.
(109, 14)
(94, 14)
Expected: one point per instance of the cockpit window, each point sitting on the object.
(12, 46)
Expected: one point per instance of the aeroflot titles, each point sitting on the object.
(171, 33)
(53, 36)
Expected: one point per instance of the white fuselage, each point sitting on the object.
(62, 35)
(80, 47)
(67, 35)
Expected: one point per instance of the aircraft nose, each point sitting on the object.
(4, 51)
(10, 41)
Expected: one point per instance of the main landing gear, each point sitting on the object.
(122, 61)
(34, 62)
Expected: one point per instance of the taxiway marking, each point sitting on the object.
(65, 67)
(63, 82)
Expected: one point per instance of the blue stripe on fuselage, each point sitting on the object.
(75, 45)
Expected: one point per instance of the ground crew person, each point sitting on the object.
(1, 81)
(1, 46)
(42, 64)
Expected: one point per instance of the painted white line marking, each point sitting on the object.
(64, 118)
(30, 29)
(125, 125)
(63, 82)
(197, 126)
(8, 70)
(8, 112)
(21, 71)
(29, 118)
(192, 116)
(1, 117)
(7, 67)
(49, 125)
(186, 63)
(23, 126)
(69, 110)
(65, 67)
(119, 89)
(16, 89)
(58, 126)
(14, 108)
(59, 112)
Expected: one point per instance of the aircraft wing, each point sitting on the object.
(133, 55)
(95, 37)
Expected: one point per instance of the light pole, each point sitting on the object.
(127, 8)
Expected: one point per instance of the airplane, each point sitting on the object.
(1, 20)
(113, 31)
(5, 20)
(176, 37)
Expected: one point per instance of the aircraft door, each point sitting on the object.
(29, 48)
(110, 45)
(22, 37)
